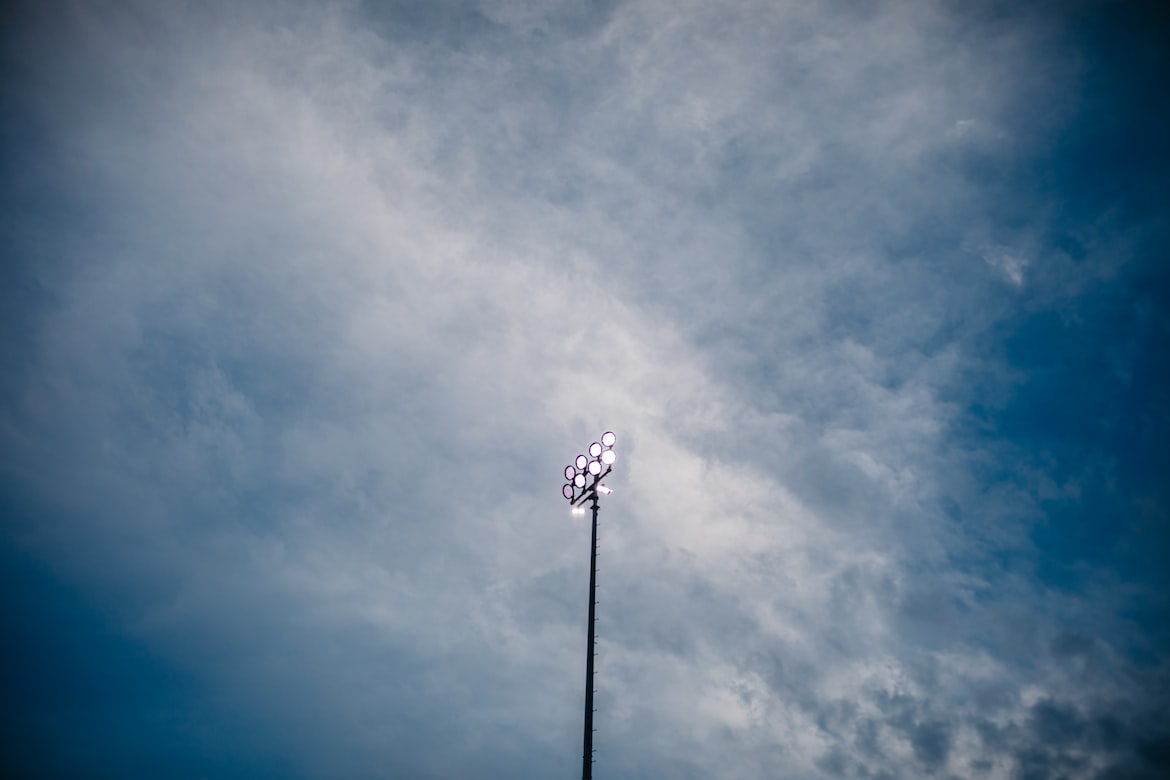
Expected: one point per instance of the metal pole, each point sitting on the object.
(587, 756)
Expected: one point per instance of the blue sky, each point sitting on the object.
(307, 305)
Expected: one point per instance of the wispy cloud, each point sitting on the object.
(311, 304)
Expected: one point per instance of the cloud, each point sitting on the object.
(311, 304)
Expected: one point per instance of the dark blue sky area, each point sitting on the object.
(81, 697)
(1095, 407)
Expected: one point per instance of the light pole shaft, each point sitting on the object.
(587, 755)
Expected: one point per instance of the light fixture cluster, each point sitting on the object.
(583, 475)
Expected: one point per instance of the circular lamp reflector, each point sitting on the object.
(579, 480)
(581, 462)
(567, 490)
(595, 449)
(569, 472)
(594, 467)
(608, 457)
(609, 438)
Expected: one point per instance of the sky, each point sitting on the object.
(306, 306)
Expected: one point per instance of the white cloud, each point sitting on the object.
(347, 304)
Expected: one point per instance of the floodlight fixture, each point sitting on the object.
(567, 490)
(604, 490)
(586, 471)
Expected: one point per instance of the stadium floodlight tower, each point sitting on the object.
(584, 486)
